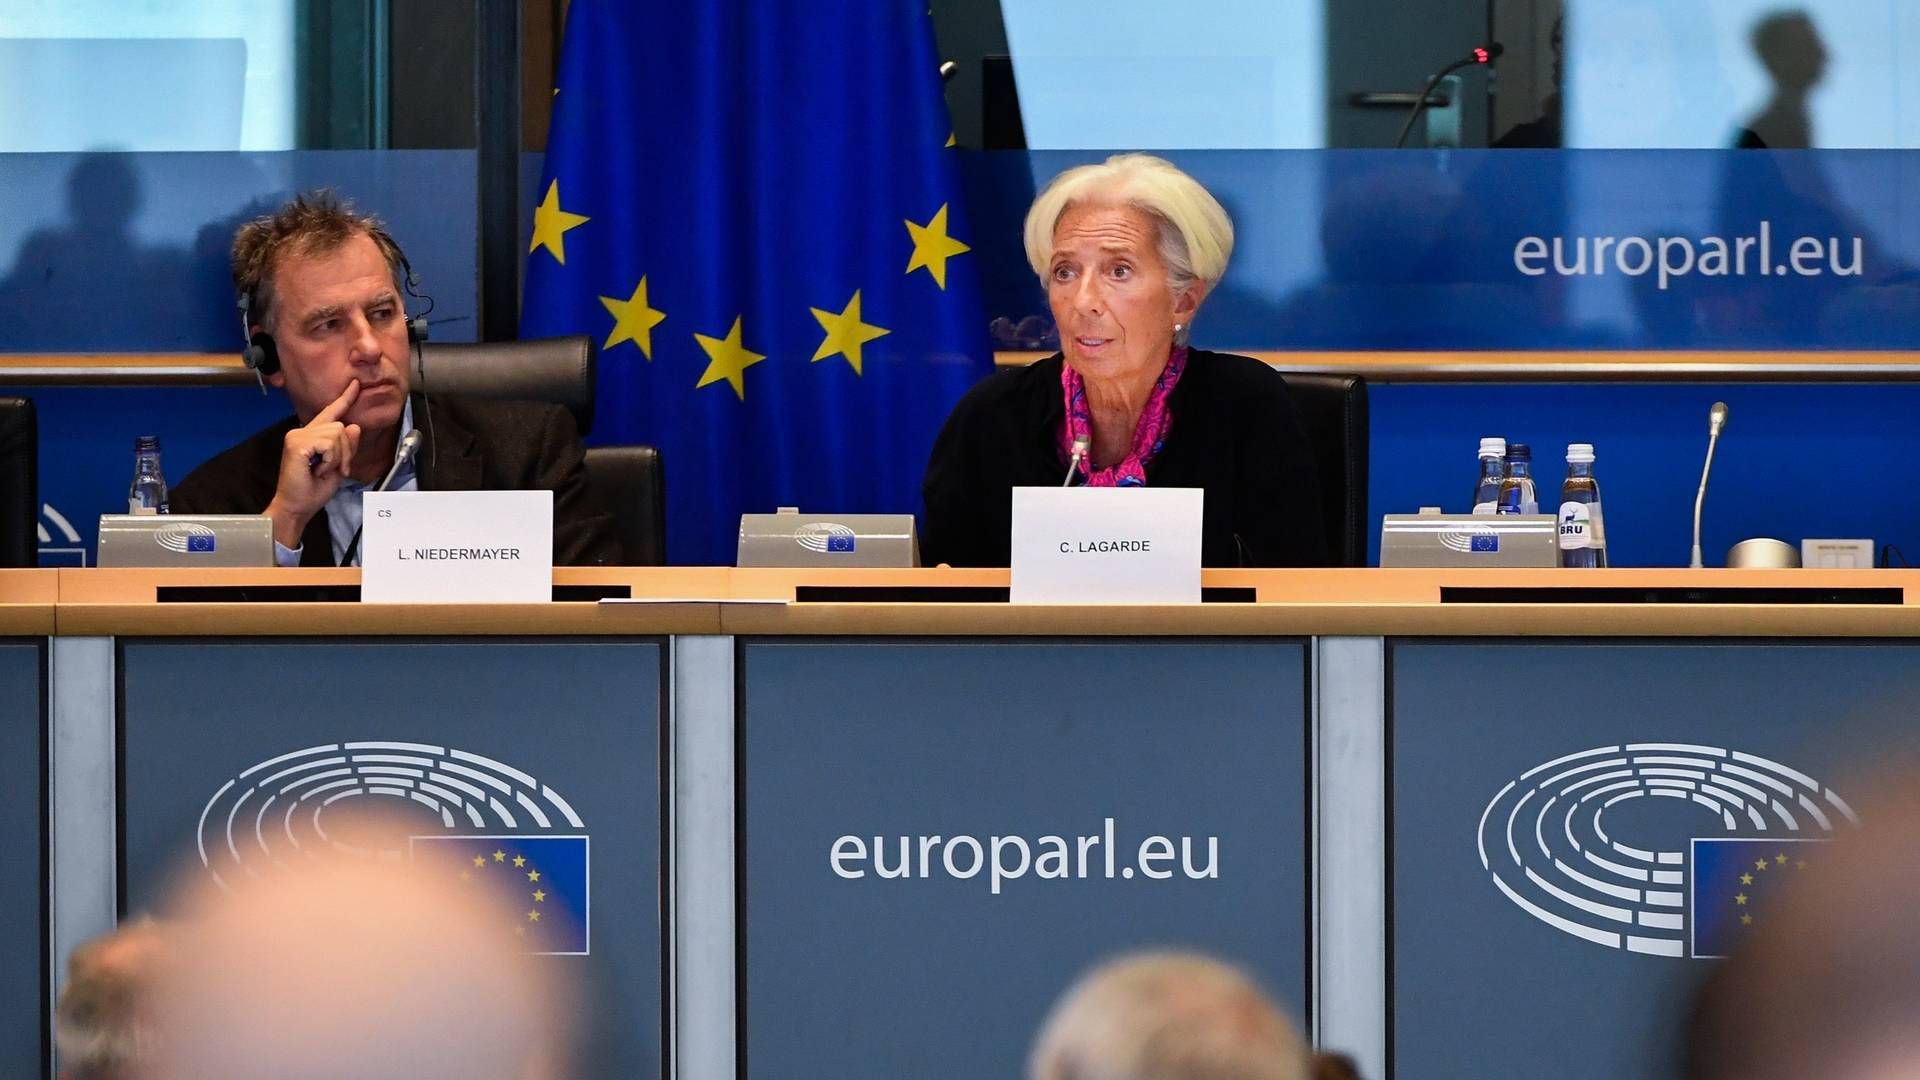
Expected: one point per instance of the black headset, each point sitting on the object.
(262, 356)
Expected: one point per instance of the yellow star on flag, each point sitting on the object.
(951, 141)
(533, 916)
(550, 225)
(479, 860)
(633, 320)
(519, 860)
(499, 856)
(539, 896)
(1746, 879)
(845, 333)
(533, 875)
(932, 247)
(727, 359)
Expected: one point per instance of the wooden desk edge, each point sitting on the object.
(1370, 602)
(28, 599)
(386, 620)
(1328, 619)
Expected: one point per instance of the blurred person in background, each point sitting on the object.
(362, 968)
(103, 1023)
(1168, 1016)
(1828, 983)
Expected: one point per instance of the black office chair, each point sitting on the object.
(19, 483)
(1333, 409)
(559, 371)
(631, 480)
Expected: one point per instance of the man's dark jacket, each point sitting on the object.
(1235, 434)
(468, 445)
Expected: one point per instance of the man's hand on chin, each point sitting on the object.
(313, 461)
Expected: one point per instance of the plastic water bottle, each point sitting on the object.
(1583, 537)
(148, 495)
(1493, 468)
(1517, 495)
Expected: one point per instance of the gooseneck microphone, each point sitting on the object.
(1481, 54)
(1080, 447)
(1716, 422)
(409, 445)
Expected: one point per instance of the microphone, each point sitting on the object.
(409, 445)
(1716, 422)
(1481, 54)
(1081, 445)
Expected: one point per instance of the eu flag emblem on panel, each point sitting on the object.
(753, 209)
(540, 882)
(1734, 883)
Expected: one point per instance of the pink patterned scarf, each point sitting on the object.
(1149, 435)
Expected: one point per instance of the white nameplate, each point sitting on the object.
(457, 547)
(1106, 545)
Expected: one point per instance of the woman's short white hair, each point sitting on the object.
(1196, 235)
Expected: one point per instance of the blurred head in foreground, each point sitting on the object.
(359, 968)
(1167, 1016)
(1829, 983)
(103, 1024)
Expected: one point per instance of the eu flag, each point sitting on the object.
(1735, 881)
(540, 883)
(752, 207)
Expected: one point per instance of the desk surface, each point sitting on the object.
(27, 602)
(718, 600)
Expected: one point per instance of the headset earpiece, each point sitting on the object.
(261, 354)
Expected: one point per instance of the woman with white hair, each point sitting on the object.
(1127, 251)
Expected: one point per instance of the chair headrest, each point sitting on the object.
(559, 371)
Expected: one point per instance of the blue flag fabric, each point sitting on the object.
(753, 209)
(1735, 882)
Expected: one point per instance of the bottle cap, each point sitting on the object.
(147, 442)
(1580, 453)
(1493, 446)
(1519, 450)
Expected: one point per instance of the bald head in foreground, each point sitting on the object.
(1167, 1016)
(352, 968)
(1829, 983)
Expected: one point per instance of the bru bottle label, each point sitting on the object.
(1580, 526)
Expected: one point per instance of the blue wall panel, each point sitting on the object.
(848, 973)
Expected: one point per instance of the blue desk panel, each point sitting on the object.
(948, 972)
(534, 743)
(1602, 783)
(23, 928)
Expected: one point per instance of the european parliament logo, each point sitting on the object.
(185, 537)
(1559, 842)
(482, 822)
(825, 538)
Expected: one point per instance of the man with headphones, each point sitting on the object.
(325, 320)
